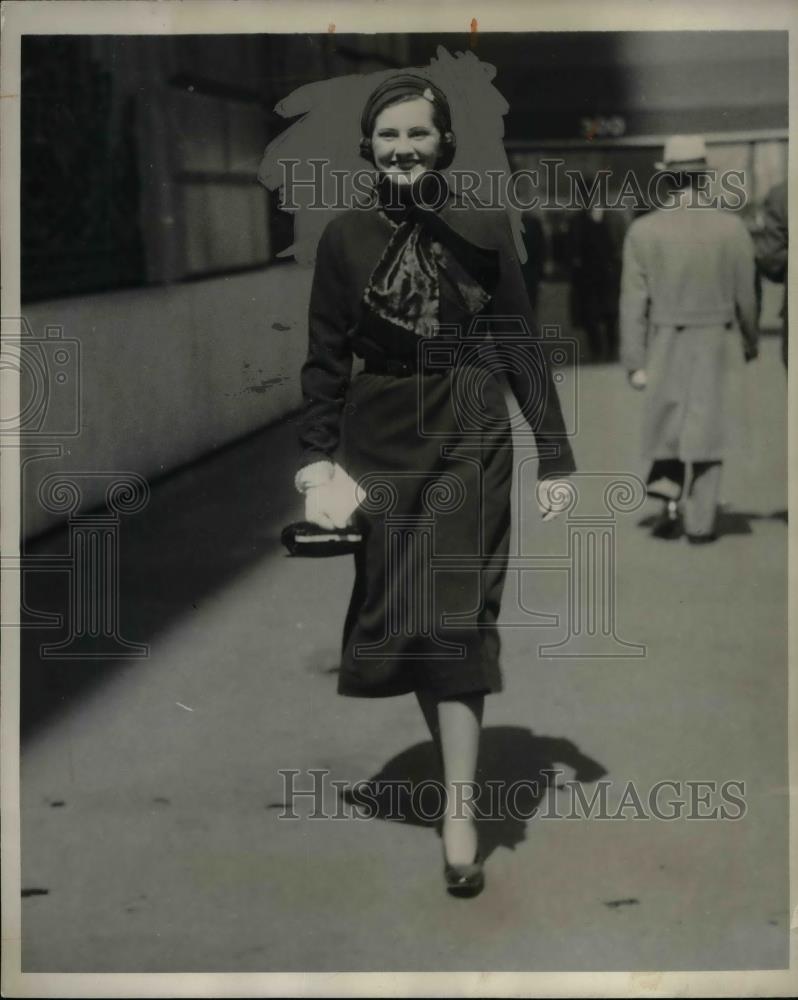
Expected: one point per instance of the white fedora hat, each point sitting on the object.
(683, 152)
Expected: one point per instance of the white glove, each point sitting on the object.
(318, 508)
(554, 496)
(331, 496)
(638, 379)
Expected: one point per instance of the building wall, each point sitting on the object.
(149, 243)
(139, 164)
(563, 85)
(168, 374)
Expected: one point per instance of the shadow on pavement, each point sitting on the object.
(516, 768)
(205, 524)
(729, 522)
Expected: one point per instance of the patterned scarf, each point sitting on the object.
(403, 292)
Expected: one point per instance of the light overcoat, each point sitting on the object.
(688, 315)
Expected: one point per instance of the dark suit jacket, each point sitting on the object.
(771, 242)
(348, 251)
(772, 246)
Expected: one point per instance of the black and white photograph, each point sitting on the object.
(395, 499)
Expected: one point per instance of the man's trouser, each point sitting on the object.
(697, 485)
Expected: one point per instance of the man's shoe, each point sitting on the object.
(669, 523)
(702, 539)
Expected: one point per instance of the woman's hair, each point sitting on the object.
(408, 87)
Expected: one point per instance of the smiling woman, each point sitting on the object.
(435, 470)
(407, 130)
(406, 142)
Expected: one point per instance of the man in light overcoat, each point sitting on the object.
(688, 303)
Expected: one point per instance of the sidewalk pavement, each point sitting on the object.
(151, 792)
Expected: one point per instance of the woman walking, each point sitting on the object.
(414, 285)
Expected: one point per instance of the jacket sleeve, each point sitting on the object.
(634, 303)
(328, 367)
(771, 242)
(526, 364)
(744, 286)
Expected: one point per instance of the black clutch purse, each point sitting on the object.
(303, 538)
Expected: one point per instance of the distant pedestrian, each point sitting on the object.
(687, 295)
(771, 249)
(596, 241)
(534, 268)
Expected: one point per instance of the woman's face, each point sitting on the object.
(405, 141)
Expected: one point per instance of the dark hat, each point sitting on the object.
(405, 86)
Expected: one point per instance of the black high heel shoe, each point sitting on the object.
(465, 881)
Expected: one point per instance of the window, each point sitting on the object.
(79, 173)
(224, 213)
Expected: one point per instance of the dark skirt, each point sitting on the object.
(434, 452)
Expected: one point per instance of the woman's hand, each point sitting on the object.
(638, 379)
(323, 506)
(554, 496)
(331, 496)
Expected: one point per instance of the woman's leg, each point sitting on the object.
(455, 725)
(460, 723)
